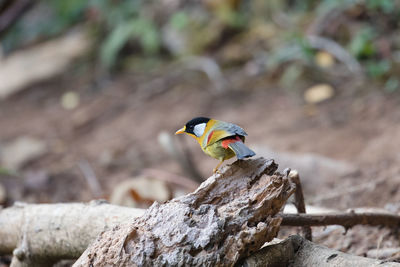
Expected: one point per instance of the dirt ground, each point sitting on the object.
(116, 127)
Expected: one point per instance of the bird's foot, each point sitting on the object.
(216, 171)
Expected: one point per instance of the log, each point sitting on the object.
(296, 251)
(229, 217)
(45, 233)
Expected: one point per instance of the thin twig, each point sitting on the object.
(211, 68)
(347, 220)
(90, 178)
(181, 155)
(299, 201)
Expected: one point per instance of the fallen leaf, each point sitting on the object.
(318, 93)
(70, 100)
(324, 59)
(140, 192)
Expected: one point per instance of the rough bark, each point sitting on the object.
(227, 218)
(296, 251)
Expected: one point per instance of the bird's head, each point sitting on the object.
(195, 127)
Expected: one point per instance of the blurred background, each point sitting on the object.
(91, 93)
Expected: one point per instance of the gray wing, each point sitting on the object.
(231, 128)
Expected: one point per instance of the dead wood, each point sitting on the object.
(347, 220)
(296, 251)
(227, 218)
(299, 201)
(45, 233)
(50, 232)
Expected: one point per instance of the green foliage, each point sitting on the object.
(387, 6)
(121, 23)
(367, 29)
(392, 85)
(298, 50)
(361, 45)
(179, 20)
(5, 171)
(65, 14)
(377, 69)
(141, 29)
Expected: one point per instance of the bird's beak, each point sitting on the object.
(181, 131)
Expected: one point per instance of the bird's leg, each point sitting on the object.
(216, 168)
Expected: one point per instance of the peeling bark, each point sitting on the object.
(230, 216)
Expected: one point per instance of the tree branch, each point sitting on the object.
(299, 201)
(346, 220)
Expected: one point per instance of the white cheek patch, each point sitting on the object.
(199, 129)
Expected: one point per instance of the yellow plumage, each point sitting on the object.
(218, 139)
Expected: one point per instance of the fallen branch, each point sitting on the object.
(297, 251)
(45, 233)
(347, 220)
(299, 201)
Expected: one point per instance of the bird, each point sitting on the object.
(218, 139)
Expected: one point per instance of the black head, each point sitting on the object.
(190, 125)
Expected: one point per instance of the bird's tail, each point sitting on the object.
(241, 150)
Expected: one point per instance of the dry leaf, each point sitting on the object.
(324, 59)
(140, 192)
(318, 93)
(70, 100)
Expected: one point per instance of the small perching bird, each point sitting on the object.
(218, 139)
